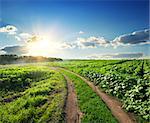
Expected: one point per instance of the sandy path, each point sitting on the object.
(113, 104)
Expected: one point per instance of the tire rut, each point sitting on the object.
(73, 115)
(113, 104)
(72, 112)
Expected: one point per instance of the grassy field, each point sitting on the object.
(37, 93)
(127, 80)
(31, 94)
(93, 108)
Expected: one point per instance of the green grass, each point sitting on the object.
(34, 93)
(93, 108)
(41, 101)
(128, 80)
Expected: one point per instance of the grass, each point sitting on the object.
(128, 80)
(41, 101)
(34, 93)
(93, 108)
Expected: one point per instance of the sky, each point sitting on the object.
(75, 29)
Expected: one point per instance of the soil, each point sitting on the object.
(72, 112)
(10, 99)
(112, 103)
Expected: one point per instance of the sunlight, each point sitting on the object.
(42, 47)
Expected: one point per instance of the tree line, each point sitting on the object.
(14, 59)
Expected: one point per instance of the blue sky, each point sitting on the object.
(64, 19)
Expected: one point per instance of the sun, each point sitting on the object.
(42, 47)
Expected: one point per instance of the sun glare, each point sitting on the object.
(42, 47)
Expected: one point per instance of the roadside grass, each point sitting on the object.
(93, 108)
(128, 80)
(42, 101)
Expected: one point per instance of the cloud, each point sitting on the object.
(10, 29)
(137, 37)
(116, 55)
(28, 38)
(81, 32)
(2, 52)
(66, 45)
(34, 38)
(19, 50)
(25, 35)
(92, 42)
(17, 38)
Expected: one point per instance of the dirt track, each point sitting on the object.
(113, 104)
(71, 110)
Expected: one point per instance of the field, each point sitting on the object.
(31, 94)
(78, 90)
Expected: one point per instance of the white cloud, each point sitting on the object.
(66, 45)
(92, 42)
(17, 38)
(137, 37)
(81, 32)
(2, 52)
(25, 35)
(10, 29)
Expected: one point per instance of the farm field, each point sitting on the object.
(128, 80)
(31, 94)
(74, 61)
(58, 92)
(37, 93)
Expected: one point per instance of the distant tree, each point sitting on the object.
(12, 59)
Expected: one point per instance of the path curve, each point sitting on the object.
(113, 104)
(72, 112)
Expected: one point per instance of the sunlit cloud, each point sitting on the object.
(46, 44)
(33, 44)
(2, 52)
(66, 45)
(81, 32)
(9, 29)
(17, 38)
(24, 36)
(92, 42)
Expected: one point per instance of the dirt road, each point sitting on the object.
(113, 104)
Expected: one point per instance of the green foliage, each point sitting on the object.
(127, 80)
(19, 78)
(93, 108)
(41, 100)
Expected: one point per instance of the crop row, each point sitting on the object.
(127, 80)
(133, 92)
(42, 100)
(93, 109)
